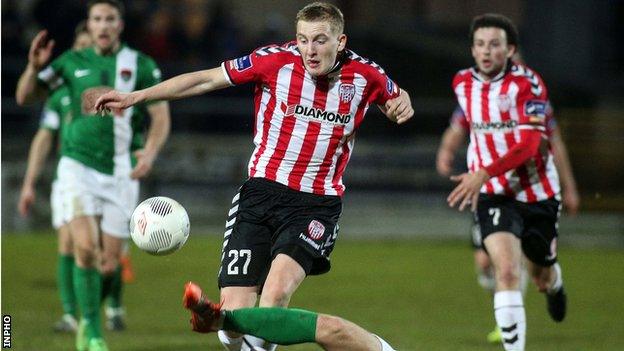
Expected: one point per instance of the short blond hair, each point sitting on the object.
(320, 12)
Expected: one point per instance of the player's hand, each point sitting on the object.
(145, 160)
(467, 191)
(399, 109)
(115, 101)
(90, 96)
(26, 200)
(444, 162)
(571, 201)
(40, 50)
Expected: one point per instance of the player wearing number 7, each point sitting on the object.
(512, 184)
(310, 98)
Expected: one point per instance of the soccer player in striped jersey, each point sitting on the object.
(101, 158)
(310, 97)
(452, 139)
(511, 183)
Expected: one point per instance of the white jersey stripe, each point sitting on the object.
(282, 87)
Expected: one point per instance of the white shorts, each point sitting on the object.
(87, 192)
(56, 205)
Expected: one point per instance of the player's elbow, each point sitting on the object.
(21, 99)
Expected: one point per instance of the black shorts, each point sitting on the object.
(268, 218)
(535, 224)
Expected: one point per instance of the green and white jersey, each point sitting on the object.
(102, 143)
(56, 113)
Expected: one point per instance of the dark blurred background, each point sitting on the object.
(575, 45)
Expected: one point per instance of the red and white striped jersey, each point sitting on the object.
(304, 125)
(458, 120)
(496, 111)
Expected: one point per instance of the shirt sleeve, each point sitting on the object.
(51, 115)
(458, 120)
(149, 74)
(51, 77)
(532, 102)
(384, 88)
(254, 67)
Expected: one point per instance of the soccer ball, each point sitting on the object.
(159, 226)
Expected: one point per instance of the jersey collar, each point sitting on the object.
(475, 73)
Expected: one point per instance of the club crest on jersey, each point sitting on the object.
(242, 63)
(346, 92)
(503, 102)
(125, 74)
(316, 230)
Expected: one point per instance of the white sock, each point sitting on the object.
(251, 342)
(384, 344)
(558, 283)
(511, 319)
(230, 344)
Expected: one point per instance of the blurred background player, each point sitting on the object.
(283, 326)
(453, 138)
(310, 98)
(512, 183)
(101, 158)
(57, 109)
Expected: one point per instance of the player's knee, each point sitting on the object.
(275, 295)
(331, 330)
(238, 297)
(85, 255)
(508, 275)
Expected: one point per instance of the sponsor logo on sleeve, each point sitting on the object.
(242, 63)
(346, 92)
(391, 88)
(156, 73)
(535, 109)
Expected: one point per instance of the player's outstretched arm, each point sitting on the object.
(39, 150)
(399, 109)
(184, 85)
(28, 90)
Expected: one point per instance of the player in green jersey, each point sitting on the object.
(56, 111)
(101, 158)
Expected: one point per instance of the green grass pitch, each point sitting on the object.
(418, 295)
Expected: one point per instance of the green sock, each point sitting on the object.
(284, 326)
(88, 288)
(114, 294)
(65, 282)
